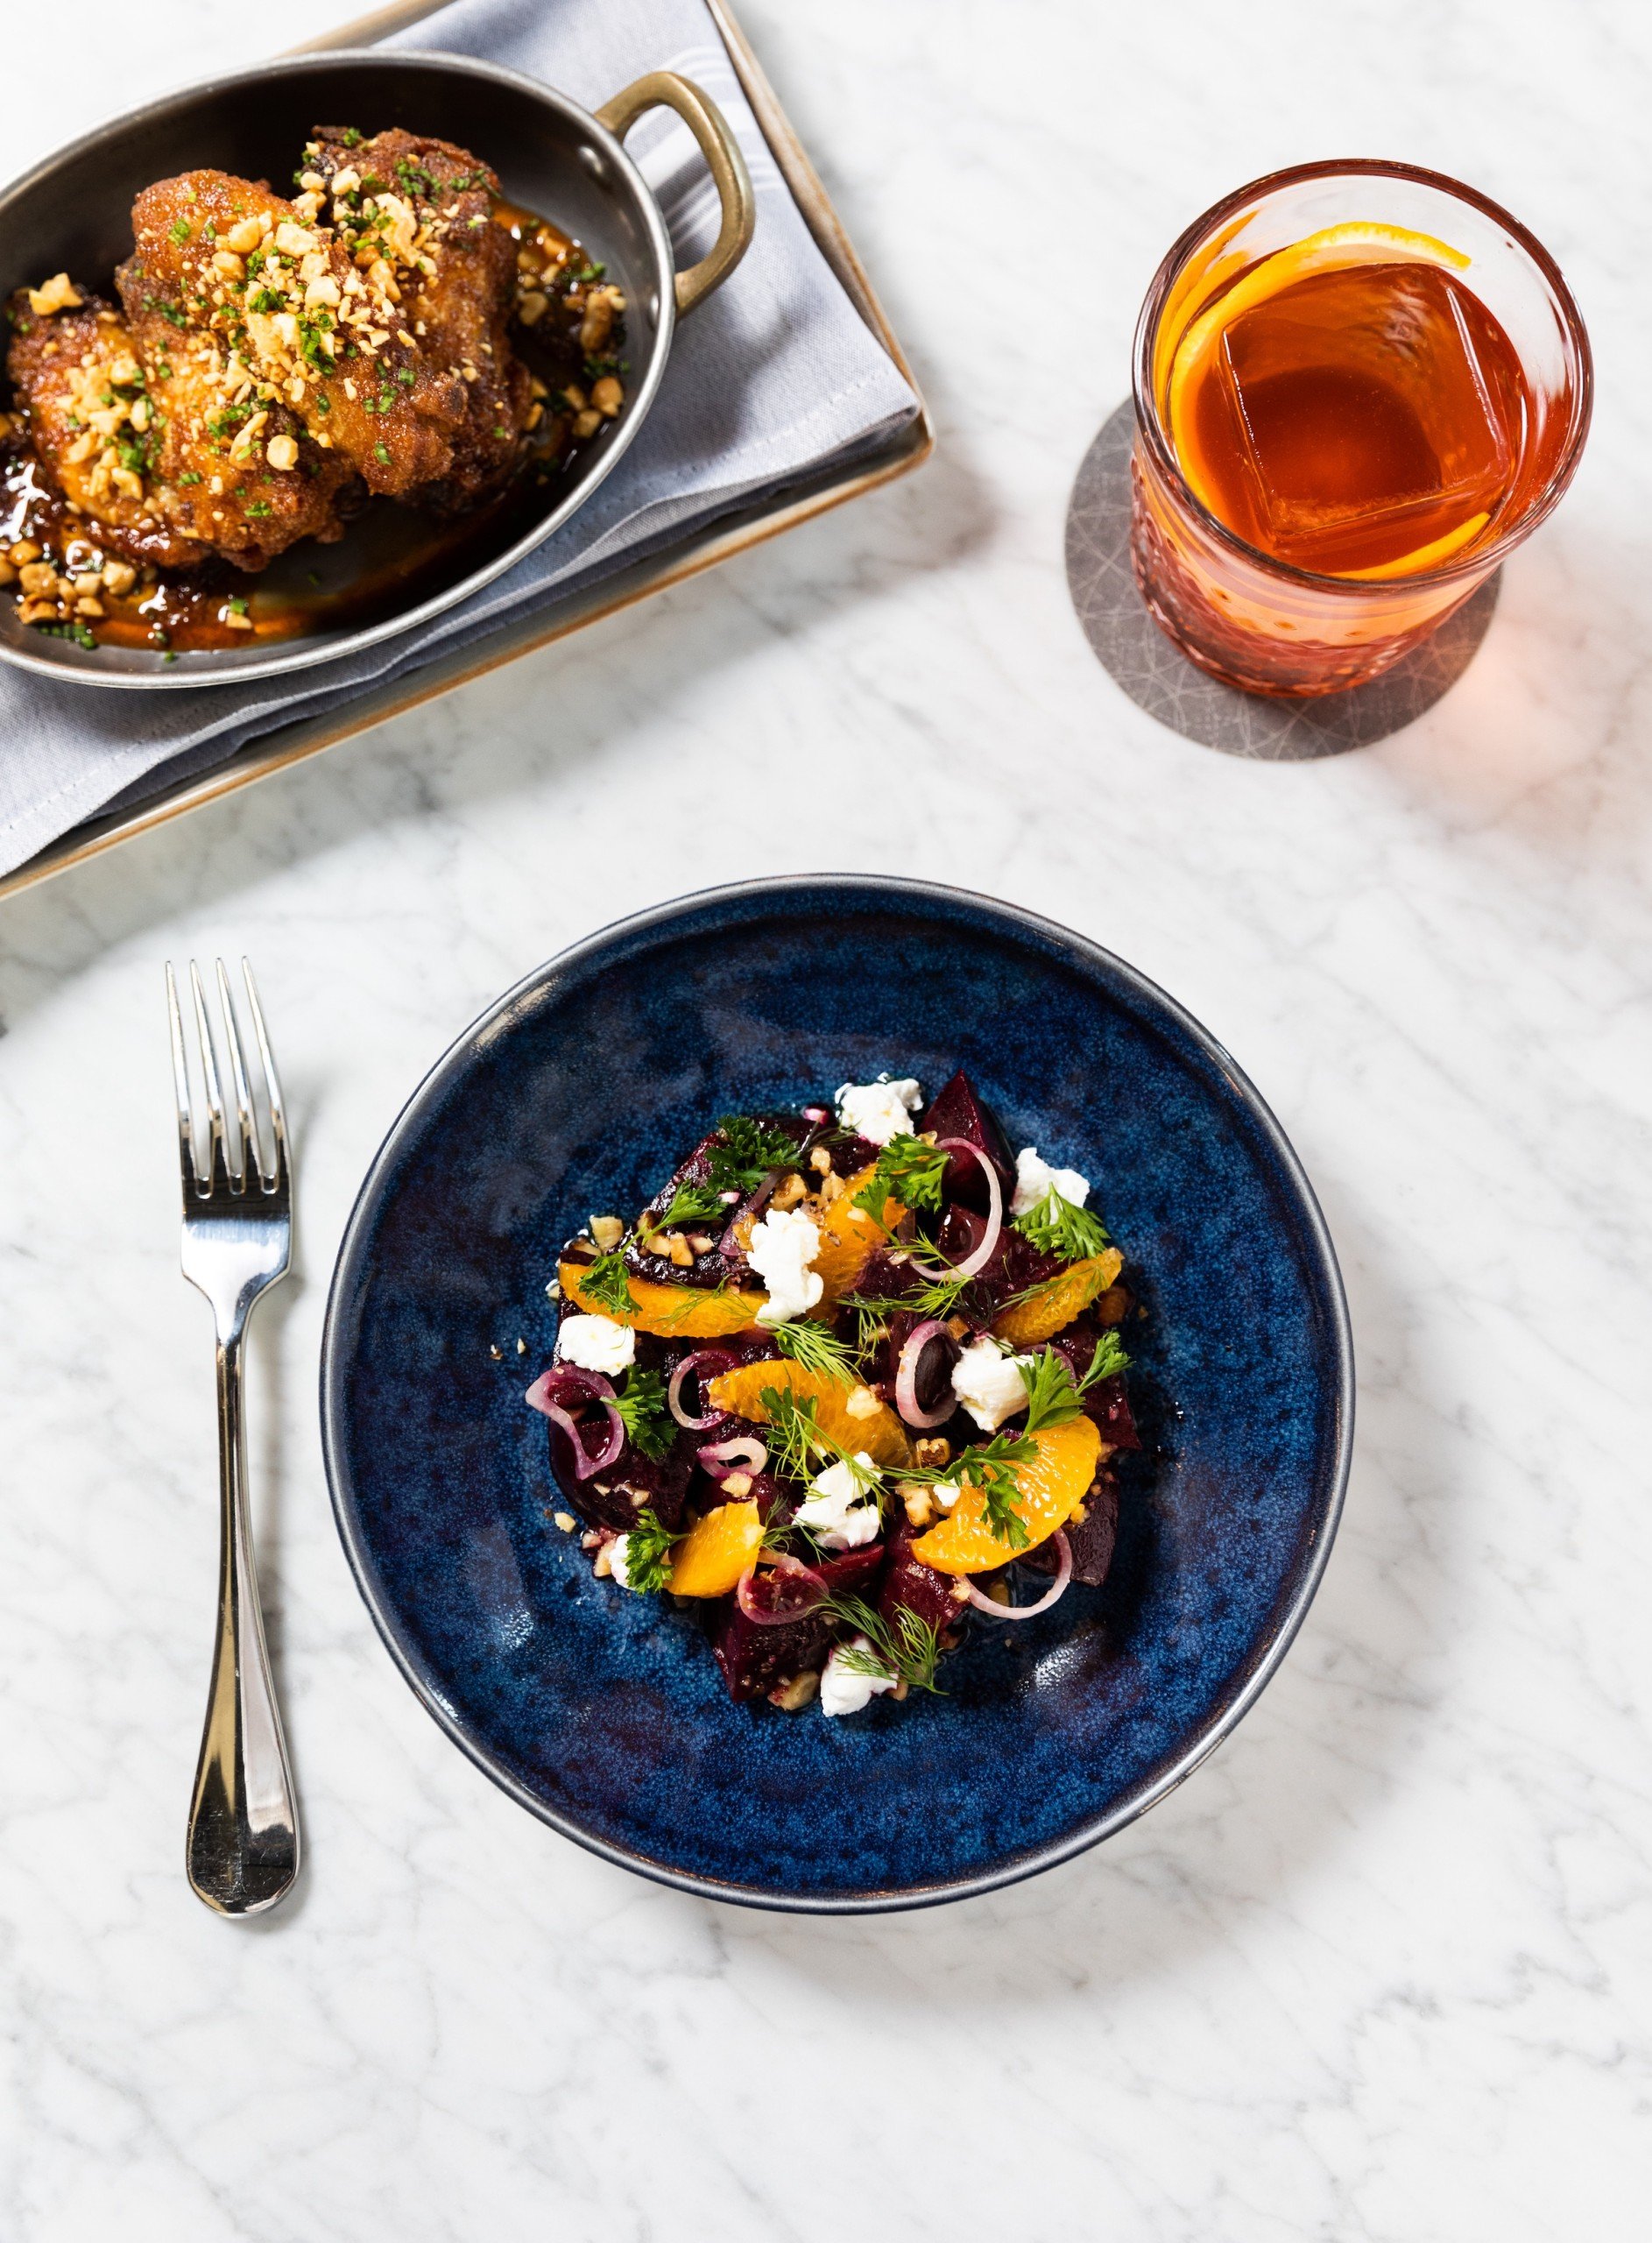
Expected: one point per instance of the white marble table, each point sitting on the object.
(1380, 1970)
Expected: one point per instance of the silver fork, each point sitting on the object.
(243, 1850)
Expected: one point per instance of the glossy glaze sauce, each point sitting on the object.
(391, 557)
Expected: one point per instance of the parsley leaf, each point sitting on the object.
(1055, 1226)
(991, 1471)
(607, 1281)
(648, 1546)
(1054, 1396)
(690, 1203)
(646, 1414)
(750, 1151)
(908, 1170)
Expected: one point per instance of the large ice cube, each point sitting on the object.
(1360, 401)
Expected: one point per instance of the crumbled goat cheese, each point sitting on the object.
(1034, 1178)
(781, 1247)
(840, 1511)
(843, 1689)
(618, 1551)
(596, 1343)
(989, 1384)
(880, 1110)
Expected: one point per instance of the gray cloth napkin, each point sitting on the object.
(773, 375)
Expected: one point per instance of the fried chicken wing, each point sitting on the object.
(415, 214)
(284, 372)
(93, 420)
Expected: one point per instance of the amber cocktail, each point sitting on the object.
(1357, 386)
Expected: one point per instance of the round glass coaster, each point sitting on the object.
(1137, 655)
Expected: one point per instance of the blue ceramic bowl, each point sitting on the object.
(604, 1713)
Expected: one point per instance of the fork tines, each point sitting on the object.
(234, 1157)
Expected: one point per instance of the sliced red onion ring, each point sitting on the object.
(686, 1369)
(567, 1381)
(564, 1379)
(782, 1564)
(1063, 1575)
(975, 1263)
(729, 1246)
(906, 1380)
(721, 1457)
(983, 1254)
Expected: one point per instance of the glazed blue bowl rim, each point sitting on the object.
(800, 888)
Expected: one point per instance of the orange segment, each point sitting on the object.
(1331, 249)
(1050, 1487)
(880, 1434)
(675, 1312)
(849, 1238)
(1049, 1308)
(716, 1551)
(1426, 556)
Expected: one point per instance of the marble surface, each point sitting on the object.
(1380, 1970)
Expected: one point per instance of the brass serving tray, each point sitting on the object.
(734, 533)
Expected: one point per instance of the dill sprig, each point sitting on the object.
(936, 1297)
(607, 1281)
(1055, 1226)
(646, 1413)
(648, 1546)
(795, 1436)
(800, 1441)
(872, 1323)
(908, 1170)
(667, 1320)
(817, 1347)
(909, 1650)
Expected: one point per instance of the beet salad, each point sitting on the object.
(848, 1372)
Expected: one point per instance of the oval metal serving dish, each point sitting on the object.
(73, 214)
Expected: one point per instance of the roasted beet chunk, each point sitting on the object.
(756, 1658)
(692, 1221)
(957, 1112)
(1089, 1538)
(911, 1585)
(631, 1483)
(1013, 1265)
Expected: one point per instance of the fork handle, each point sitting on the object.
(243, 1824)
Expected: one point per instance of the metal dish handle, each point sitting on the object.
(665, 90)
